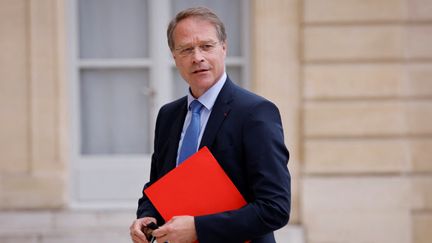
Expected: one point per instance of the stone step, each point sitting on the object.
(86, 226)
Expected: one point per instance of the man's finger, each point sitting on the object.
(136, 239)
(136, 233)
(162, 231)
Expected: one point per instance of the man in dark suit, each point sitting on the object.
(242, 130)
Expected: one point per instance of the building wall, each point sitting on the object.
(366, 78)
(353, 81)
(276, 72)
(32, 168)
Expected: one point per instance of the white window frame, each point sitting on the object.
(160, 66)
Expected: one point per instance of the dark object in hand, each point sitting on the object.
(152, 226)
(148, 229)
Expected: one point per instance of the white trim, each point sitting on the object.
(114, 63)
(160, 74)
(246, 37)
(100, 205)
(71, 12)
(96, 161)
(235, 61)
(160, 65)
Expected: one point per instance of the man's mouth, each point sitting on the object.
(200, 71)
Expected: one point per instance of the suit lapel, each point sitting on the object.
(220, 111)
(174, 138)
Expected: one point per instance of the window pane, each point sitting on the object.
(113, 28)
(235, 74)
(180, 86)
(231, 14)
(114, 111)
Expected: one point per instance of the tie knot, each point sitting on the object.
(195, 106)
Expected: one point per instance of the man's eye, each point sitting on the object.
(187, 50)
(207, 47)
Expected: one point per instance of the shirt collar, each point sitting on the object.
(209, 97)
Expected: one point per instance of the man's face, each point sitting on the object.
(198, 54)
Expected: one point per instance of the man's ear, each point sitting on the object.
(225, 45)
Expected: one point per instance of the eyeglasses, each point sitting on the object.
(206, 47)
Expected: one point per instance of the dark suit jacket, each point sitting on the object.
(244, 133)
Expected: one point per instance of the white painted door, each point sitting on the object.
(121, 73)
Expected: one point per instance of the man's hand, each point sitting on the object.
(180, 229)
(139, 231)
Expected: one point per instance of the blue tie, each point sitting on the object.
(190, 139)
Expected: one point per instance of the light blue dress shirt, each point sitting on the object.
(207, 100)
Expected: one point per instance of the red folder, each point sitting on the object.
(198, 186)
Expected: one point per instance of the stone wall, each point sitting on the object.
(367, 106)
(352, 80)
(32, 167)
(276, 70)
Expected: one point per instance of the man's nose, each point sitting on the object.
(197, 55)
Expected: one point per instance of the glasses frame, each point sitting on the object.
(205, 47)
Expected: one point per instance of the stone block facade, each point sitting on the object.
(353, 83)
(32, 168)
(366, 111)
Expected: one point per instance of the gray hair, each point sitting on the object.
(198, 12)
